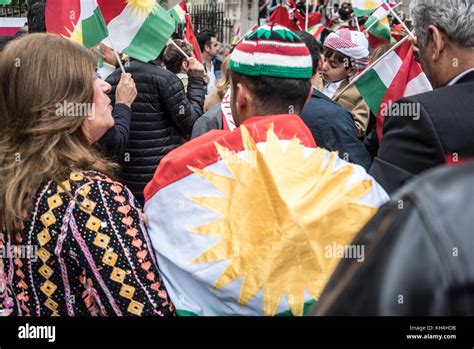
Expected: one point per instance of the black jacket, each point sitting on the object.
(333, 128)
(418, 253)
(162, 119)
(211, 120)
(412, 144)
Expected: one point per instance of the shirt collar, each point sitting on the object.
(460, 76)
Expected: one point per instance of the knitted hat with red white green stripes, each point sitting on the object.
(272, 50)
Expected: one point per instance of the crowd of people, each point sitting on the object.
(105, 193)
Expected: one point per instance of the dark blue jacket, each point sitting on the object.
(113, 143)
(333, 128)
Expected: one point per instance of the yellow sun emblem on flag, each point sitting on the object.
(279, 213)
(76, 33)
(145, 7)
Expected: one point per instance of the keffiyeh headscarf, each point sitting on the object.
(352, 44)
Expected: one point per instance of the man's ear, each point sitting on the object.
(184, 65)
(243, 98)
(437, 40)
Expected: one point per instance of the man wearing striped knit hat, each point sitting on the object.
(250, 221)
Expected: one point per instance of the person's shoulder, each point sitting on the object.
(88, 181)
(324, 107)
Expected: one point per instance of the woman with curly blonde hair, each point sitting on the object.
(88, 248)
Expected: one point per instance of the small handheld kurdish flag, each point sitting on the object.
(141, 30)
(397, 75)
(86, 19)
(317, 30)
(378, 26)
(364, 8)
(251, 222)
(178, 14)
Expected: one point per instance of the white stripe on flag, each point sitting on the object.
(12, 22)
(87, 8)
(388, 68)
(417, 85)
(124, 28)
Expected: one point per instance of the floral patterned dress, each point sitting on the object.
(89, 255)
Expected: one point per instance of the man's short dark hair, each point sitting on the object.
(36, 18)
(275, 95)
(173, 59)
(313, 46)
(204, 38)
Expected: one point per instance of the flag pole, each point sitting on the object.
(357, 23)
(374, 23)
(379, 59)
(402, 23)
(307, 15)
(171, 41)
(119, 61)
(117, 55)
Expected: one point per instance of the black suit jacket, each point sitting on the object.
(418, 260)
(414, 143)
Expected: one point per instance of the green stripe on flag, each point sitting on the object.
(152, 37)
(359, 12)
(381, 31)
(306, 307)
(94, 29)
(372, 89)
(5, 2)
(184, 313)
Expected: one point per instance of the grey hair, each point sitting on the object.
(454, 17)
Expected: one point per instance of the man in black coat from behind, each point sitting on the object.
(438, 125)
(163, 116)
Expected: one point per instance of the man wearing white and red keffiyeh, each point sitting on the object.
(346, 54)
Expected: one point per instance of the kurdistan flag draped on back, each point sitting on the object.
(244, 222)
(395, 76)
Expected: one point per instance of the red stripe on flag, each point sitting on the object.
(191, 38)
(281, 16)
(8, 31)
(397, 88)
(201, 152)
(111, 8)
(375, 41)
(62, 15)
(183, 5)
